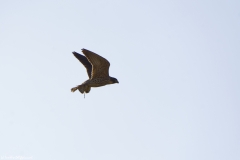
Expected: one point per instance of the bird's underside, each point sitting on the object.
(97, 68)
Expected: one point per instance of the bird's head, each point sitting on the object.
(113, 80)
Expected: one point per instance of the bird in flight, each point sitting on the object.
(97, 69)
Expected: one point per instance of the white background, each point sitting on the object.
(178, 67)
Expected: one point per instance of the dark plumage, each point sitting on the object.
(97, 69)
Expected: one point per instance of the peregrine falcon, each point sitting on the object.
(97, 70)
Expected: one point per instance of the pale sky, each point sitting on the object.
(178, 64)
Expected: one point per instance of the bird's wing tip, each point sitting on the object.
(83, 49)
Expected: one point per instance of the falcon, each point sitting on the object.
(97, 69)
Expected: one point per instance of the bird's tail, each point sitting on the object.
(74, 89)
(81, 88)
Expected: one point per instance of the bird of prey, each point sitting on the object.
(97, 70)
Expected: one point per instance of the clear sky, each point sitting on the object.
(178, 64)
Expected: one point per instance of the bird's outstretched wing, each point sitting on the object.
(85, 62)
(100, 65)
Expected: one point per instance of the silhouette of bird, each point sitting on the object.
(97, 70)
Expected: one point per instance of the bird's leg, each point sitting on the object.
(84, 94)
